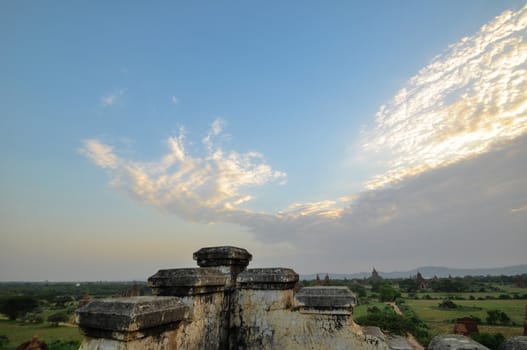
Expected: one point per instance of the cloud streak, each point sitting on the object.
(112, 98)
(469, 99)
(197, 188)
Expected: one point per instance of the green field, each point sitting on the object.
(19, 332)
(442, 320)
(54, 297)
(362, 310)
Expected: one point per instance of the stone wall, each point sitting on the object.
(224, 305)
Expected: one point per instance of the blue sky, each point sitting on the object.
(317, 135)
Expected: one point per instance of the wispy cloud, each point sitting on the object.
(174, 99)
(468, 100)
(460, 123)
(112, 97)
(519, 210)
(196, 188)
(100, 154)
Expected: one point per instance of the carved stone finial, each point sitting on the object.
(222, 256)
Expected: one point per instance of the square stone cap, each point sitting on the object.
(188, 277)
(268, 278)
(222, 256)
(131, 314)
(326, 297)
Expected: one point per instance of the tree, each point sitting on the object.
(64, 345)
(495, 317)
(409, 285)
(359, 290)
(447, 304)
(491, 341)
(389, 321)
(4, 340)
(388, 293)
(32, 317)
(15, 307)
(58, 317)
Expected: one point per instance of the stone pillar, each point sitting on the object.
(131, 323)
(263, 294)
(230, 260)
(208, 291)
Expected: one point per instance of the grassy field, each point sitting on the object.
(429, 311)
(442, 320)
(476, 295)
(19, 332)
(361, 310)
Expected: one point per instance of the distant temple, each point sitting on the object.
(375, 275)
(421, 282)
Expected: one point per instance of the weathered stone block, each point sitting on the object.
(399, 343)
(276, 278)
(332, 299)
(222, 256)
(373, 332)
(515, 343)
(454, 342)
(130, 318)
(190, 281)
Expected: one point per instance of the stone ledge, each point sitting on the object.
(373, 332)
(514, 343)
(399, 343)
(189, 281)
(454, 342)
(222, 256)
(129, 318)
(276, 278)
(325, 298)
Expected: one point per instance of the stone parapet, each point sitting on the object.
(223, 305)
(188, 281)
(332, 300)
(276, 278)
(222, 256)
(126, 319)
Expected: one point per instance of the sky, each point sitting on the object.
(322, 136)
